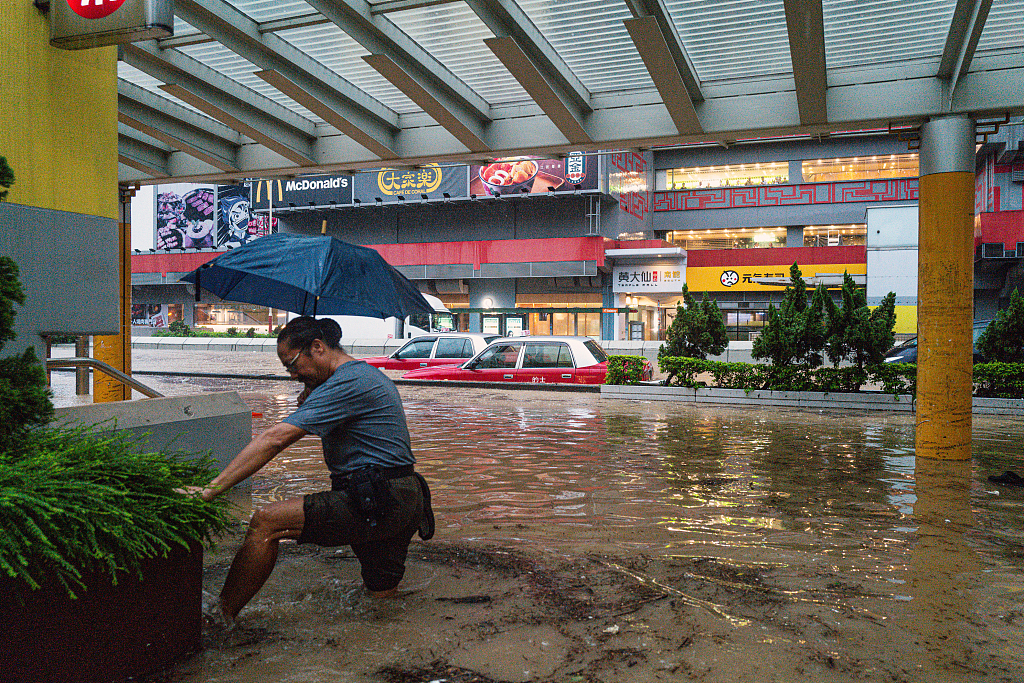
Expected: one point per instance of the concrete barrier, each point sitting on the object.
(218, 422)
(797, 399)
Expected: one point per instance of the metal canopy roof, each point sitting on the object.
(282, 87)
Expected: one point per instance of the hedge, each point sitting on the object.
(624, 369)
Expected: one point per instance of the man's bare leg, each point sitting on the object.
(255, 560)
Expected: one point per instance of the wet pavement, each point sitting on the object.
(590, 539)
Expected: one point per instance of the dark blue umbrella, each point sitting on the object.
(310, 275)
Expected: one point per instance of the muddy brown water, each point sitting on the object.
(587, 539)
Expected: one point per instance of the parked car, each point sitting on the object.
(448, 348)
(907, 351)
(540, 359)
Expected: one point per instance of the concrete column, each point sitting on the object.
(945, 288)
(116, 349)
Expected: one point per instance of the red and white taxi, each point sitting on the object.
(541, 360)
(448, 348)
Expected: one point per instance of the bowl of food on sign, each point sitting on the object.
(508, 176)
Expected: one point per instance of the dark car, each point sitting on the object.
(907, 351)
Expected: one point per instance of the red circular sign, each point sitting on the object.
(94, 9)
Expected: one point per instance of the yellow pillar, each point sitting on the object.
(945, 289)
(116, 349)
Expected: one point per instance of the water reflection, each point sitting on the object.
(829, 509)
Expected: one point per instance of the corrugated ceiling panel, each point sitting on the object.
(266, 10)
(229, 64)
(147, 82)
(454, 35)
(332, 47)
(862, 32)
(590, 37)
(727, 40)
(1004, 28)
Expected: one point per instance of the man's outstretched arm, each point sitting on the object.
(255, 455)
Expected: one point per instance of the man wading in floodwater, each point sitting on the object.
(376, 502)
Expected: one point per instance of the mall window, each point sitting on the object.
(733, 175)
(728, 238)
(745, 325)
(835, 235)
(219, 318)
(860, 168)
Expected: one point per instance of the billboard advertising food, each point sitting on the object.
(185, 217)
(532, 176)
(431, 181)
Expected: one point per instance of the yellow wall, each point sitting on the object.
(58, 117)
(906, 320)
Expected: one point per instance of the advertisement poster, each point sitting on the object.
(155, 315)
(304, 191)
(185, 217)
(236, 223)
(432, 181)
(532, 176)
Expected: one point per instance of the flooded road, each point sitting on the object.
(589, 539)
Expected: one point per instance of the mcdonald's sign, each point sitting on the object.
(316, 190)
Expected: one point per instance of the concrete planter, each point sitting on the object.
(797, 399)
(110, 633)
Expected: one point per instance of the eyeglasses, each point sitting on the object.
(290, 365)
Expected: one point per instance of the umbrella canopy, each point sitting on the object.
(310, 275)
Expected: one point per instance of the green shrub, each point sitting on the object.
(895, 378)
(24, 397)
(232, 332)
(6, 177)
(999, 380)
(178, 329)
(751, 376)
(76, 501)
(1003, 339)
(251, 332)
(624, 369)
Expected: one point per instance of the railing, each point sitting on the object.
(105, 369)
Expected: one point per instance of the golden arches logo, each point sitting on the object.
(422, 180)
(270, 191)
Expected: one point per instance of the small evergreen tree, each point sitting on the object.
(1003, 340)
(24, 396)
(795, 332)
(6, 177)
(856, 332)
(697, 331)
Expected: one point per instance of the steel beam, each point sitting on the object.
(171, 66)
(657, 10)
(142, 157)
(175, 126)
(654, 49)
(537, 66)
(215, 109)
(570, 120)
(242, 36)
(805, 25)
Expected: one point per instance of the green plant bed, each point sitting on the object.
(101, 556)
(894, 378)
(74, 501)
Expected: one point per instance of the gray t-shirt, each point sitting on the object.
(357, 413)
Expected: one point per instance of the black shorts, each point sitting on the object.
(332, 519)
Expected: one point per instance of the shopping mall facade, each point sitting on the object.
(600, 245)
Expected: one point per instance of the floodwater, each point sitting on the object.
(589, 539)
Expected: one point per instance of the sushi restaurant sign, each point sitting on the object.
(649, 278)
(80, 24)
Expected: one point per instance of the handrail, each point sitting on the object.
(104, 368)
